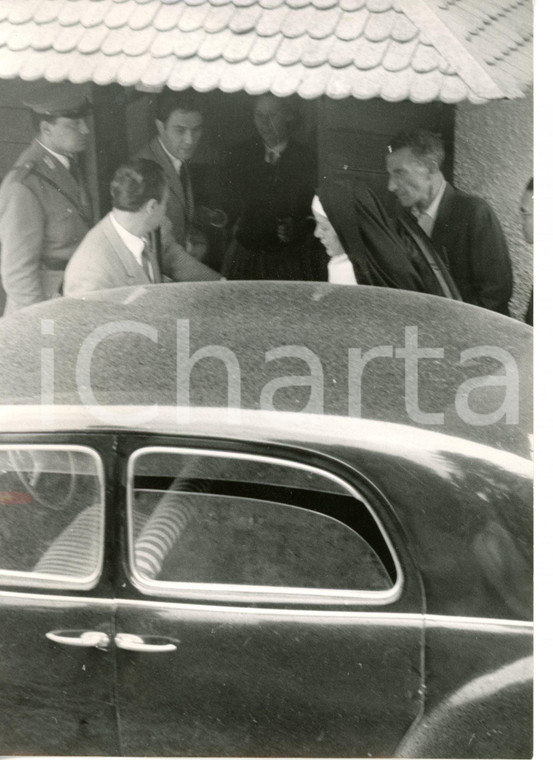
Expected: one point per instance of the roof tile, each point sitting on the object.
(164, 44)
(271, 3)
(368, 85)
(44, 40)
(234, 78)
(351, 25)
(379, 26)
(133, 69)
(287, 81)
(426, 58)
(119, 15)
(399, 55)
(368, 55)
(11, 62)
(5, 31)
(425, 87)
(94, 14)
(245, 19)
(396, 85)
(158, 72)
(214, 45)
(138, 43)
(403, 30)
(339, 84)
(189, 44)
(59, 66)
(324, 23)
(324, 4)
(193, 18)
(114, 42)
(379, 6)
(352, 5)
(207, 78)
(19, 37)
(316, 52)
(68, 39)
(168, 16)
(143, 16)
(239, 47)
(341, 53)
(289, 51)
(105, 71)
(5, 8)
(271, 21)
(20, 13)
(244, 3)
(299, 22)
(264, 49)
(453, 89)
(92, 39)
(48, 11)
(33, 66)
(218, 19)
(70, 13)
(183, 73)
(297, 3)
(84, 71)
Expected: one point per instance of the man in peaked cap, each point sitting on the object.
(45, 208)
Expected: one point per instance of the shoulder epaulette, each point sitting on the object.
(23, 171)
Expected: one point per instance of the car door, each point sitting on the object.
(266, 611)
(56, 604)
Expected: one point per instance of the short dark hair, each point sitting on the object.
(168, 101)
(423, 144)
(136, 182)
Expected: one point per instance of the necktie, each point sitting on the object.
(146, 261)
(184, 175)
(271, 156)
(74, 169)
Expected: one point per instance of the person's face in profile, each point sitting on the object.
(181, 133)
(327, 235)
(410, 179)
(271, 120)
(527, 215)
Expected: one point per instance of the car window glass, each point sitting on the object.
(204, 518)
(51, 516)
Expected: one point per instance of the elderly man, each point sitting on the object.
(463, 228)
(45, 208)
(132, 245)
(270, 182)
(194, 190)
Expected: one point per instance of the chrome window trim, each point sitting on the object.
(51, 581)
(251, 593)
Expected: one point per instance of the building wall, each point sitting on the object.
(494, 159)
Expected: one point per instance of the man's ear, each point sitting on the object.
(151, 205)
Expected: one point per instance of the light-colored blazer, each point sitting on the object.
(103, 261)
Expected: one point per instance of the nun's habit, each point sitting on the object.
(383, 253)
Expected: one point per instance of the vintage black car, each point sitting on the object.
(265, 519)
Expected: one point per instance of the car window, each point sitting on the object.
(51, 516)
(233, 520)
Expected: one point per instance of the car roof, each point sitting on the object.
(139, 344)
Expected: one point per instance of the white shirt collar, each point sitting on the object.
(340, 270)
(134, 243)
(432, 210)
(276, 150)
(64, 160)
(177, 163)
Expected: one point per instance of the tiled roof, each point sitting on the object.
(422, 50)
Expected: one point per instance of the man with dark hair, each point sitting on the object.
(192, 189)
(270, 182)
(463, 228)
(45, 208)
(132, 245)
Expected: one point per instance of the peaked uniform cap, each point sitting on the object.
(64, 99)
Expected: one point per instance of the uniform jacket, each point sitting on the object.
(103, 261)
(468, 236)
(44, 215)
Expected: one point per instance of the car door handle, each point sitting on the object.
(97, 639)
(133, 643)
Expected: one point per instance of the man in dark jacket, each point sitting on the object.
(270, 183)
(463, 228)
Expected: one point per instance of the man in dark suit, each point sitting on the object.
(463, 228)
(45, 208)
(132, 245)
(193, 188)
(270, 182)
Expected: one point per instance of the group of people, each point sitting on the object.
(259, 214)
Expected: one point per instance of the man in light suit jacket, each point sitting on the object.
(463, 228)
(133, 244)
(194, 189)
(45, 208)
